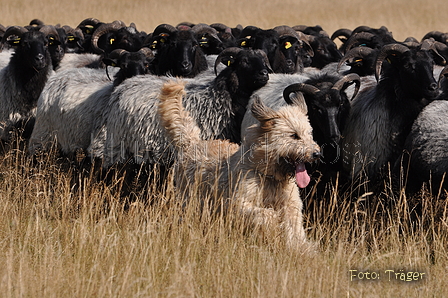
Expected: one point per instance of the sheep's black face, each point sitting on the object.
(267, 41)
(127, 38)
(131, 64)
(34, 46)
(289, 47)
(209, 44)
(251, 69)
(135, 64)
(325, 52)
(416, 72)
(183, 54)
(327, 111)
(56, 50)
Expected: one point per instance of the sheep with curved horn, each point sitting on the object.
(381, 116)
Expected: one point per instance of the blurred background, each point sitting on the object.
(403, 17)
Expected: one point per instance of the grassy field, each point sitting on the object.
(64, 234)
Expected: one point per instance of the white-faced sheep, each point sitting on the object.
(23, 79)
(130, 128)
(381, 117)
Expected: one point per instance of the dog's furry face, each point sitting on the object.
(283, 142)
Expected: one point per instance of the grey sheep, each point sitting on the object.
(130, 128)
(425, 158)
(381, 116)
(74, 98)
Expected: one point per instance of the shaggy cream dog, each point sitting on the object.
(260, 177)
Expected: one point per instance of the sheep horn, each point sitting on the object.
(437, 35)
(103, 29)
(411, 44)
(356, 37)
(249, 31)
(300, 28)
(299, 87)
(50, 30)
(361, 29)
(76, 32)
(117, 54)
(185, 24)
(147, 52)
(411, 39)
(430, 45)
(341, 32)
(385, 51)
(220, 27)
(346, 81)
(13, 30)
(164, 28)
(36, 22)
(286, 31)
(88, 21)
(201, 29)
(443, 74)
(232, 51)
(355, 52)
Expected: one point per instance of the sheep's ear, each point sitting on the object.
(159, 41)
(227, 60)
(14, 41)
(262, 112)
(53, 41)
(111, 62)
(245, 42)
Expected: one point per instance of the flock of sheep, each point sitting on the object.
(376, 105)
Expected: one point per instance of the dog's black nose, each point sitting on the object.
(317, 155)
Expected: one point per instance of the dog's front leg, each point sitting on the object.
(259, 216)
(292, 222)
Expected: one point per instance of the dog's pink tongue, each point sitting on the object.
(302, 177)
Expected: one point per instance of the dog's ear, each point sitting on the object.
(262, 112)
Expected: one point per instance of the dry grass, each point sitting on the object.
(403, 18)
(63, 234)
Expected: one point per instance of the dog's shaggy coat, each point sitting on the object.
(257, 177)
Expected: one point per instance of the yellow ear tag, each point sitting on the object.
(111, 40)
(243, 44)
(359, 60)
(71, 38)
(388, 60)
(228, 63)
(287, 45)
